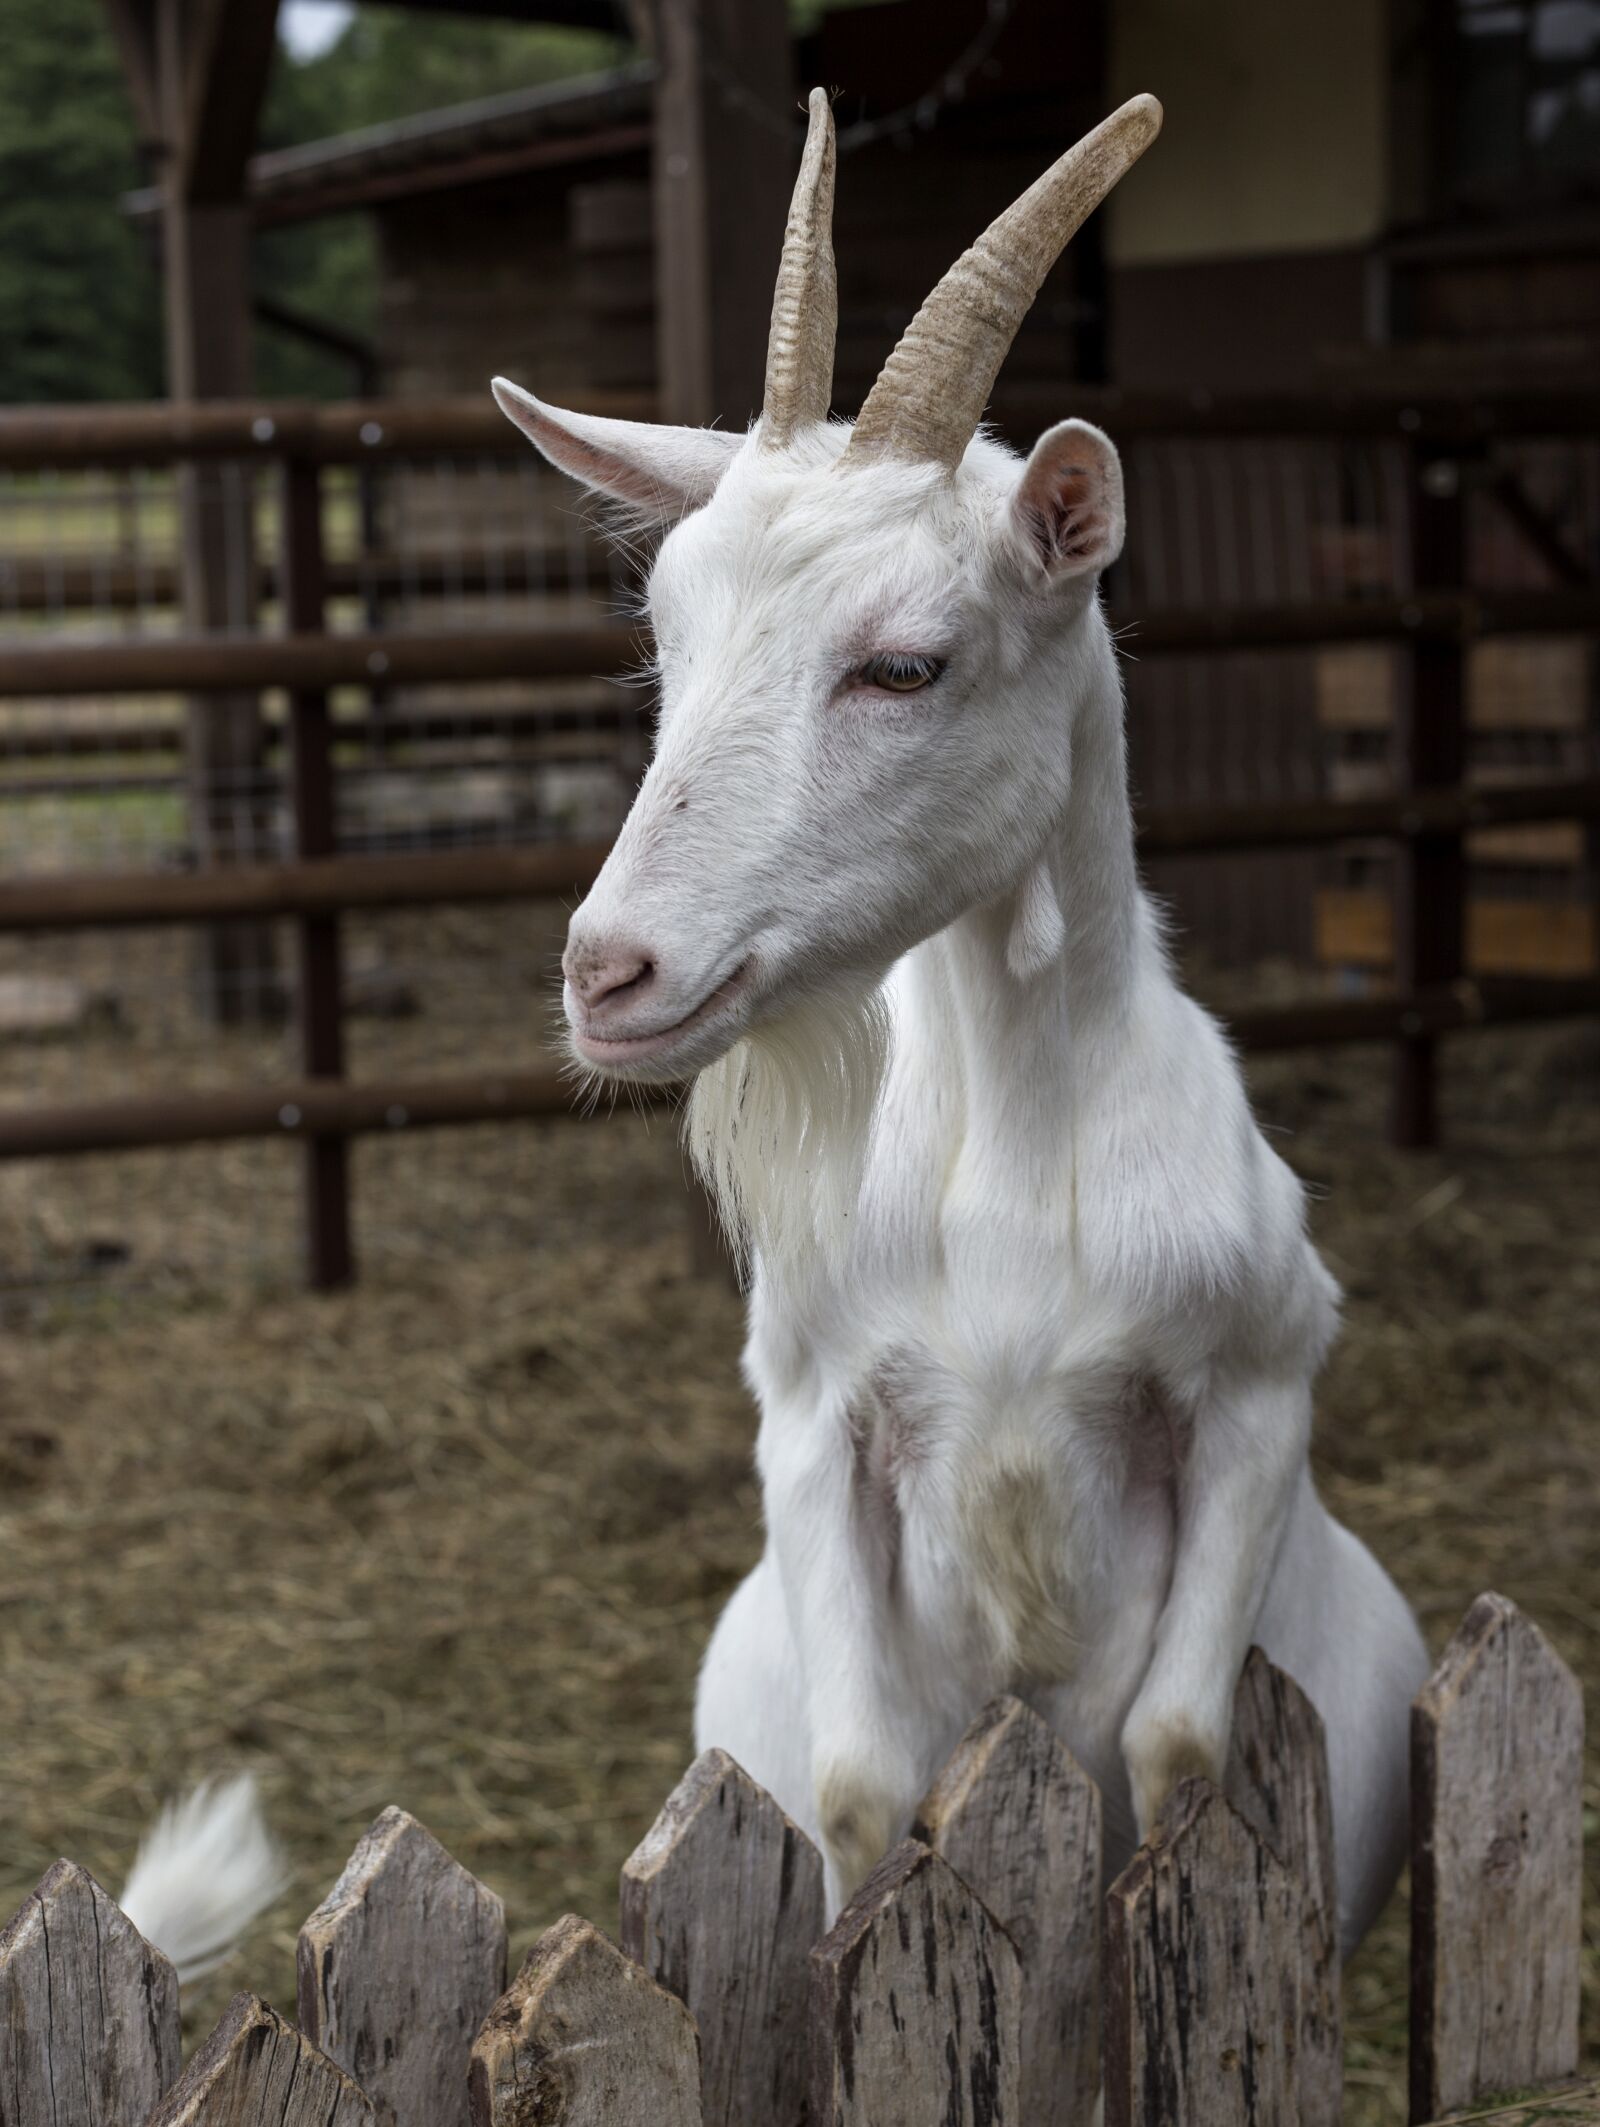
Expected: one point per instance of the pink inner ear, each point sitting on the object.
(1071, 526)
(601, 468)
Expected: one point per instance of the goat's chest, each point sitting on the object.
(997, 1445)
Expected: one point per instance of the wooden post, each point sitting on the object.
(89, 2009)
(1431, 869)
(255, 2070)
(1203, 1938)
(329, 1256)
(1496, 1864)
(212, 61)
(585, 2038)
(1277, 1779)
(721, 1902)
(726, 145)
(398, 1967)
(916, 2005)
(1018, 1820)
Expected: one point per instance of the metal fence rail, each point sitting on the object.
(1433, 616)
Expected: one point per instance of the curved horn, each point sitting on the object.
(931, 393)
(805, 305)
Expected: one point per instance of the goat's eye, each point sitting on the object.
(899, 673)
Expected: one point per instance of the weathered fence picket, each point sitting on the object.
(962, 1984)
(1497, 1864)
(397, 1969)
(1277, 1779)
(1202, 1980)
(1018, 1820)
(584, 2037)
(721, 1902)
(255, 2069)
(916, 2004)
(89, 2010)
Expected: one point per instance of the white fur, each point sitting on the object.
(1034, 1317)
(205, 1869)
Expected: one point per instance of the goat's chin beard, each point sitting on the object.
(778, 1125)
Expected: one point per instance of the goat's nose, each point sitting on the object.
(599, 973)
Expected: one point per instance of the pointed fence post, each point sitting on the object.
(583, 2037)
(1018, 1820)
(398, 1967)
(88, 2008)
(1203, 1940)
(257, 2071)
(721, 1902)
(1277, 1779)
(1496, 1864)
(916, 2005)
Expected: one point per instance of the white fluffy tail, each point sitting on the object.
(204, 1870)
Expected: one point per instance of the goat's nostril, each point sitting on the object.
(608, 980)
(633, 976)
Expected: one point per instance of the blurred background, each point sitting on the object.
(366, 1417)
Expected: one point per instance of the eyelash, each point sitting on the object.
(896, 673)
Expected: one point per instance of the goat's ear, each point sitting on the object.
(663, 472)
(1067, 513)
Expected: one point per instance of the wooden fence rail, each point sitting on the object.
(976, 1979)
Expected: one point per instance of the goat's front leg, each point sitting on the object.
(834, 1548)
(1247, 1453)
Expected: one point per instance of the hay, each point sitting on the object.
(456, 1540)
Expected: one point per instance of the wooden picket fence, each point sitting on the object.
(977, 1979)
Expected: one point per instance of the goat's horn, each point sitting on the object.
(805, 306)
(931, 393)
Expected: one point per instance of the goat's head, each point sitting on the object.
(864, 639)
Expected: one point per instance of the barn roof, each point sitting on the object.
(593, 115)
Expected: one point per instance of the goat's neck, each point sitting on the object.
(1024, 1031)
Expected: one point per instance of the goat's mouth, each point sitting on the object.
(683, 1045)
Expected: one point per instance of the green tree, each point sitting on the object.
(79, 302)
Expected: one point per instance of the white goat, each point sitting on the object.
(1034, 1318)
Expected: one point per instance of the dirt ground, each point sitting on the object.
(455, 1540)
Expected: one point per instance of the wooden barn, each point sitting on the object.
(1398, 193)
(1340, 187)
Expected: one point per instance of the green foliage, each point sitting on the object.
(79, 297)
(79, 304)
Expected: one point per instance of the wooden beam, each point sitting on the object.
(133, 28)
(227, 54)
(212, 59)
(727, 142)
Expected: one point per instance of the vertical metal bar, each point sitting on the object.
(330, 1260)
(1431, 871)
